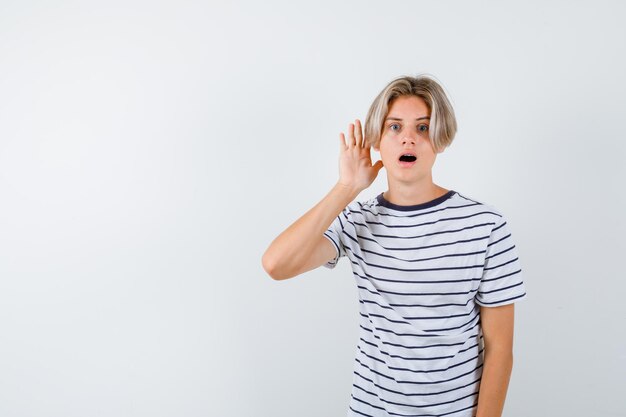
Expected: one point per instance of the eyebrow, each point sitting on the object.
(395, 118)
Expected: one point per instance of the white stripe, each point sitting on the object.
(424, 274)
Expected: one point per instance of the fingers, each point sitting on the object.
(342, 143)
(355, 137)
(359, 134)
(351, 133)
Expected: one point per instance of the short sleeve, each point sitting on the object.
(502, 282)
(334, 233)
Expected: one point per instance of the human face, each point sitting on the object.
(405, 130)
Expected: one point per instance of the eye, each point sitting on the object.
(422, 128)
(391, 126)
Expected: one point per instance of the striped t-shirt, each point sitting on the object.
(421, 273)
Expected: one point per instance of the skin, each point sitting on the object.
(497, 324)
(406, 130)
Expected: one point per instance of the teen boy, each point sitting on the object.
(437, 272)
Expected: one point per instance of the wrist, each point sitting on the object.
(349, 189)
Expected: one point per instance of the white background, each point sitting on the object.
(151, 151)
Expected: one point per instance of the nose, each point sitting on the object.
(408, 140)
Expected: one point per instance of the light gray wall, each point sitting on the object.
(150, 152)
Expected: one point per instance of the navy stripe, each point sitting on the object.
(434, 358)
(493, 244)
(416, 371)
(418, 318)
(469, 199)
(415, 393)
(362, 261)
(380, 329)
(436, 281)
(381, 399)
(413, 382)
(412, 305)
(498, 266)
(358, 412)
(477, 316)
(404, 226)
(332, 239)
(501, 301)
(461, 257)
(363, 225)
(419, 236)
(498, 227)
(450, 255)
(474, 394)
(384, 317)
(422, 293)
(368, 314)
(366, 403)
(411, 415)
(500, 253)
(501, 289)
(473, 319)
(363, 209)
(415, 347)
(502, 276)
(382, 201)
(443, 232)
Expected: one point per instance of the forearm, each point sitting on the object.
(494, 383)
(290, 250)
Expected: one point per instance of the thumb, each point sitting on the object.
(378, 165)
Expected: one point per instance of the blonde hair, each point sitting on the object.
(442, 126)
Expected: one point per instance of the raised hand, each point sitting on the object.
(355, 164)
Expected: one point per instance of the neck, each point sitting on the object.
(405, 194)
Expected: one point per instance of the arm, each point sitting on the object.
(497, 326)
(302, 246)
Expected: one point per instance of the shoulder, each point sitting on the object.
(480, 206)
(362, 206)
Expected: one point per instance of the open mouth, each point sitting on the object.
(407, 160)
